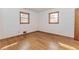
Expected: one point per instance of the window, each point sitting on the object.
(54, 17)
(24, 18)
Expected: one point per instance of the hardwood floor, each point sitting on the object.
(39, 41)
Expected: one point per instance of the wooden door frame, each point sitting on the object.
(75, 24)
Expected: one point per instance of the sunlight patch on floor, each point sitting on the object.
(67, 46)
(5, 47)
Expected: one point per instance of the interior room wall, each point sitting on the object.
(66, 22)
(10, 22)
(1, 26)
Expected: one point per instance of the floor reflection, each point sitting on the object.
(54, 46)
(27, 45)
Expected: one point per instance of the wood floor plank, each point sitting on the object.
(40, 41)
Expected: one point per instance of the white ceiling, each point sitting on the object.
(39, 9)
(36, 9)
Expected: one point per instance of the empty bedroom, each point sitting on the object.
(39, 29)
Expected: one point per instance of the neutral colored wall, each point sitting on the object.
(10, 25)
(1, 26)
(66, 22)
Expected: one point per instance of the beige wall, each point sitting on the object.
(66, 22)
(10, 26)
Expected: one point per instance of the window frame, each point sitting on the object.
(57, 18)
(28, 18)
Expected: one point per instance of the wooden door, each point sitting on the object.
(77, 24)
